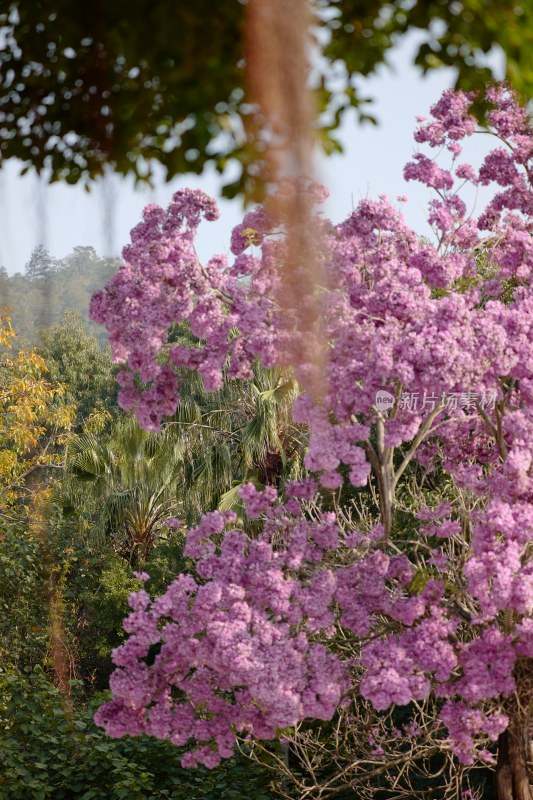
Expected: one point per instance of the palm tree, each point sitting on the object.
(127, 484)
(242, 432)
(133, 482)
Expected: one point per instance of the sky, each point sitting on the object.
(61, 217)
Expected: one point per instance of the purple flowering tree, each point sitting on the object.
(425, 603)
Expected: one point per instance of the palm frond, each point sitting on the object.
(188, 412)
(231, 501)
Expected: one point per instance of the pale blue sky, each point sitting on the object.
(62, 217)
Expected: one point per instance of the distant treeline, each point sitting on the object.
(48, 287)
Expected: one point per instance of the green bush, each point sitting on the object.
(48, 750)
(23, 609)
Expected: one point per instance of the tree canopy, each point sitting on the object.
(49, 288)
(415, 599)
(128, 83)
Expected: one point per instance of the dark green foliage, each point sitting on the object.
(91, 583)
(93, 598)
(123, 83)
(50, 748)
(23, 613)
(97, 595)
(451, 34)
(116, 81)
(97, 591)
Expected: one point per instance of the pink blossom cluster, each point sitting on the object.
(162, 282)
(464, 723)
(245, 646)
(233, 653)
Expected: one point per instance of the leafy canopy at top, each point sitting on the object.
(133, 82)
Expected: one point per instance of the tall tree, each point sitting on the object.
(426, 605)
(41, 265)
(76, 360)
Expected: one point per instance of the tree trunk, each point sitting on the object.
(386, 500)
(385, 480)
(512, 780)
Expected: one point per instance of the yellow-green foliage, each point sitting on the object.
(33, 416)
